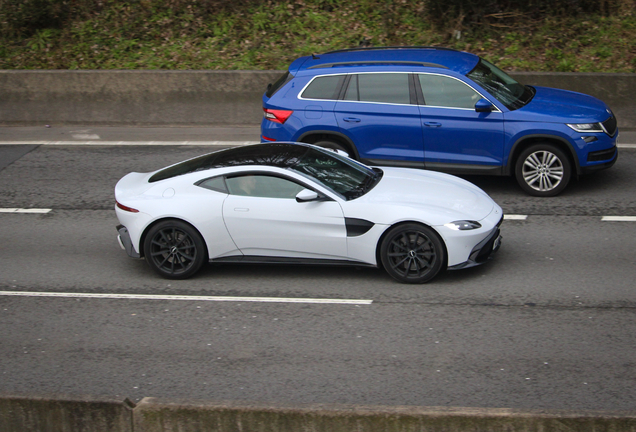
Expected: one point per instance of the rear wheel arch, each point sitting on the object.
(315, 137)
(142, 239)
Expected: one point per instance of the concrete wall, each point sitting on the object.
(209, 98)
(19, 414)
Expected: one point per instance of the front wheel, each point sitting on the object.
(412, 253)
(543, 170)
(174, 249)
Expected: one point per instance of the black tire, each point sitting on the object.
(412, 253)
(332, 145)
(174, 249)
(543, 170)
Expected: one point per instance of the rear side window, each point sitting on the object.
(281, 81)
(443, 91)
(324, 87)
(379, 87)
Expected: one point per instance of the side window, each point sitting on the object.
(379, 87)
(216, 184)
(443, 91)
(263, 186)
(324, 87)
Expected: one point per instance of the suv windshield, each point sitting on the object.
(504, 88)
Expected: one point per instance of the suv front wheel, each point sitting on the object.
(543, 170)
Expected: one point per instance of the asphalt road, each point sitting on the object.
(549, 323)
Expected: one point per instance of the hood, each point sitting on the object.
(448, 196)
(562, 106)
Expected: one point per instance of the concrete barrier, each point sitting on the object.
(208, 98)
(58, 414)
(64, 414)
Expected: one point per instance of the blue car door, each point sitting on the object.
(456, 136)
(380, 114)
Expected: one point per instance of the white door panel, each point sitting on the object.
(284, 227)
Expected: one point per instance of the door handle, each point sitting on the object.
(241, 209)
(432, 124)
(351, 119)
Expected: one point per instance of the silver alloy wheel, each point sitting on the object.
(543, 171)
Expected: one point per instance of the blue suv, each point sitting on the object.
(440, 109)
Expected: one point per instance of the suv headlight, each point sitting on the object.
(586, 127)
(463, 225)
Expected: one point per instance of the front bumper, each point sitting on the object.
(124, 241)
(483, 250)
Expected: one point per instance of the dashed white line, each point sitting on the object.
(24, 210)
(619, 218)
(515, 217)
(188, 298)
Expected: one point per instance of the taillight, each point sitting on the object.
(126, 208)
(277, 116)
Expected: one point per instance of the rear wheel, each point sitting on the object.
(332, 145)
(174, 249)
(412, 253)
(543, 170)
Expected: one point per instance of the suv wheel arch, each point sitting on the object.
(524, 142)
(337, 138)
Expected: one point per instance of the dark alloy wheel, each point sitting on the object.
(412, 253)
(543, 170)
(174, 249)
(332, 145)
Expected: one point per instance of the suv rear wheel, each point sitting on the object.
(332, 145)
(543, 170)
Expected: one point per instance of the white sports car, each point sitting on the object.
(297, 203)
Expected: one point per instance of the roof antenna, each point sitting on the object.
(314, 56)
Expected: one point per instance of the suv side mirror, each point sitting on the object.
(483, 105)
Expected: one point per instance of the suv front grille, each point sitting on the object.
(610, 125)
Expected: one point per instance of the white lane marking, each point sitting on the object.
(619, 218)
(628, 146)
(86, 136)
(515, 217)
(134, 143)
(24, 210)
(190, 298)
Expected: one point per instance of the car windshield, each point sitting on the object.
(340, 174)
(500, 85)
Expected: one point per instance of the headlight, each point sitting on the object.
(587, 127)
(463, 225)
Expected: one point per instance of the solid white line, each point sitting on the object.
(629, 146)
(133, 143)
(515, 217)
(190, 298)
(619, 218)
(24, 210)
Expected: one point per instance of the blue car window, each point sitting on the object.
(324, 87)
(443, 91)
(380, 87)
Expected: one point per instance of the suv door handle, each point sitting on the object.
(351, 119)
(432, 124)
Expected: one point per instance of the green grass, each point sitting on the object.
(147, 34)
